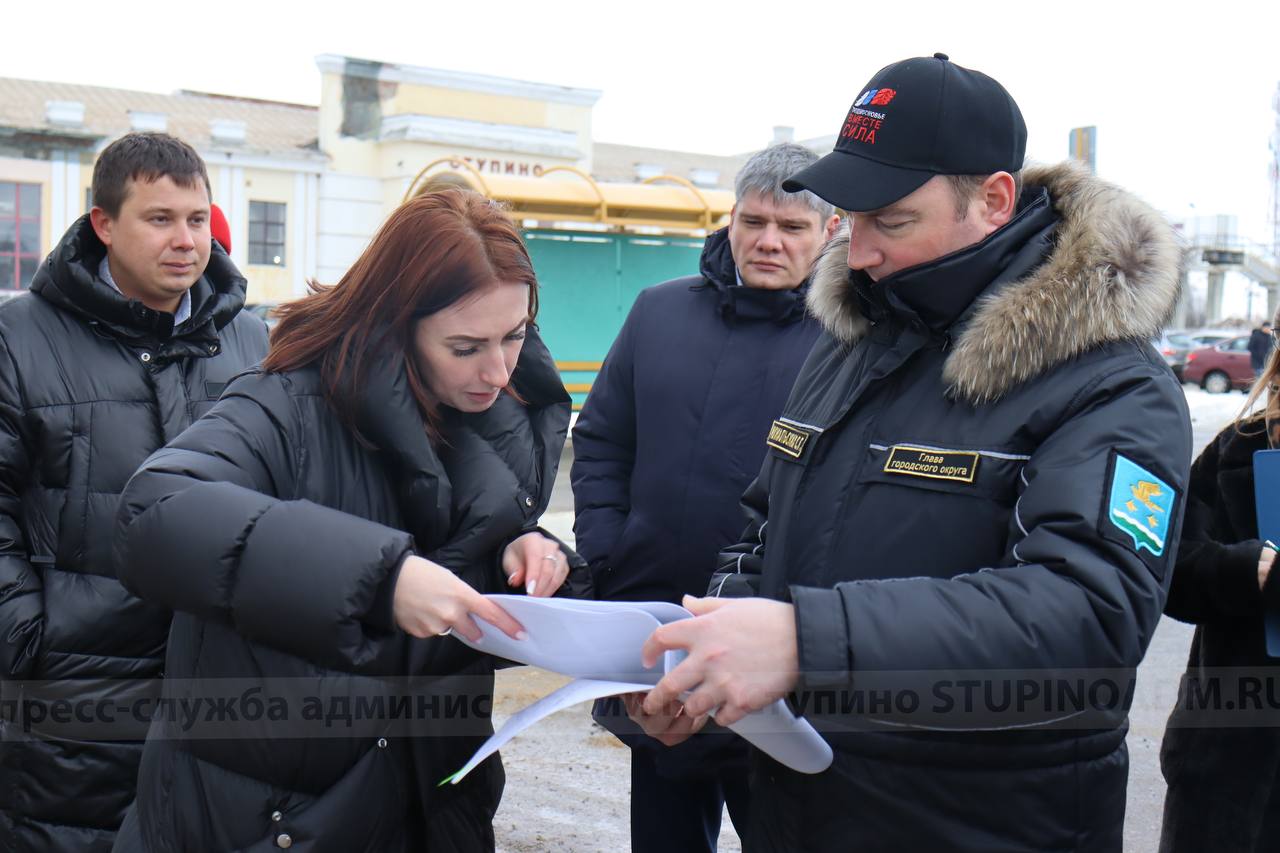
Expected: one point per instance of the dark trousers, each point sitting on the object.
(683, 813)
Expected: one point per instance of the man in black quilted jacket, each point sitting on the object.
(130, 332)
(974, 492)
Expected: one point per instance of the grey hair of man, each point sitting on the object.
(765, 171)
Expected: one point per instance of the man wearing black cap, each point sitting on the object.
(961, 535)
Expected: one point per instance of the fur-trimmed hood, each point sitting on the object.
(1113, 274)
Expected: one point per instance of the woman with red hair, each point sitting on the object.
(338, 510)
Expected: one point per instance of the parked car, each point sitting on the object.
(1174, 346)
(265, 310)
(1210, 337)
(1221, 367)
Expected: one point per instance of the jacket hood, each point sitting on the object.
(720, 272)
(387, 415)
(1111, 275)
(716, 264)
(69, 279)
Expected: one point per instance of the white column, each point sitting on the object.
(58, 221)
(74, 195)
(297, 217)
(310, 235)
(238, 213)
(313, 227)
(223, 197)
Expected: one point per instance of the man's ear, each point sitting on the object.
(102, 224)
(832, 226)
(997, 200)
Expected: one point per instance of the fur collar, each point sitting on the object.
(1113, 275)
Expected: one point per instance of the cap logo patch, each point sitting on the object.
(861, 126)
(875, 98)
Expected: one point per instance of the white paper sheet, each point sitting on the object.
(598, 643)
(577, 638)
(576, 691)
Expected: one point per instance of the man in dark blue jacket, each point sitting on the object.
(974, 491)
(672, 434)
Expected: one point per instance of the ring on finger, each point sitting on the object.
(553, 556)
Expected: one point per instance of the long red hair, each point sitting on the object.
(432, 252)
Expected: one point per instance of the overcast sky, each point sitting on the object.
(1182, 101)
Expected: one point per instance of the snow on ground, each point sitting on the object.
(1210, 413)
(1219, 408)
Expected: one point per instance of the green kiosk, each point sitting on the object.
(594, 247)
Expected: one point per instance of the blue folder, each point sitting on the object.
(1266, 489)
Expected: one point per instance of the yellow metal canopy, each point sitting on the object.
(564, 193)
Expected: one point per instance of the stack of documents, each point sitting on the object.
(598, 644)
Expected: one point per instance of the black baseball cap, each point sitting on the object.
(917, 118)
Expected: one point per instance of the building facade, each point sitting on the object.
(264, 168)
(304, 188)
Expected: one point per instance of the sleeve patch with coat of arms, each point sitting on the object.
(1140, 505)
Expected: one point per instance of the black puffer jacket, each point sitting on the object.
(1223, 772)
(277, 537)
(941, 499)
(90, 385)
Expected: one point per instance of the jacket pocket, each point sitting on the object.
(365, 810)
(632, 559)
(73, 519)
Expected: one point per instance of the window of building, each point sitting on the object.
(705, 177)
(266, 233)
(19, 234)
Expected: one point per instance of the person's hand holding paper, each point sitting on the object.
(670, 726)
(599, 644)
(429, 600)
(742, 657)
